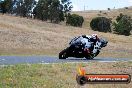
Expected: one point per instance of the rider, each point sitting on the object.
(88, 42)
(92, 39)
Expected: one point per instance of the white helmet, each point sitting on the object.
(94, 36)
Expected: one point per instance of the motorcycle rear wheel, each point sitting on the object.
(62, 54)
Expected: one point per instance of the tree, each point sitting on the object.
(126, 7)
(101, 24)
(66, 6)
(3, 7)
(28, 5)
(118, 18)
(108, 9)
(49, 10)
(54, 11)
(6, 6)
(41, 10)
(100, 11)
(23, 7)
(123, 25)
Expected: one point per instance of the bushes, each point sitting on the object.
(101, 24)
(74, 20)
(123, 25)
(108, 9)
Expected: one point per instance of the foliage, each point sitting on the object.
(23, 7)
(108, 9)
(118, 18)
(53, 10)
(126, 7)
(123, 25)
(74, 20)
(66, 6)
(5, 6)
(101, 24)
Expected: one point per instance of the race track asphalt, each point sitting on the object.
(12, 60)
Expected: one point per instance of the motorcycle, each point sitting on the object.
(78, 50)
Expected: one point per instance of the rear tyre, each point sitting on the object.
(62, 54)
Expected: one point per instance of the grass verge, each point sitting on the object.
(59, 75)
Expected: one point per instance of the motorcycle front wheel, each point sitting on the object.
(89, 58)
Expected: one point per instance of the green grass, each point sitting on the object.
(38, 76)
(57, 75)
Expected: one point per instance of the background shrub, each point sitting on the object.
(74, 20)
(123, 25)
(101, 24)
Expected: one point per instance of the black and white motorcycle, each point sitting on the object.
(79, 52)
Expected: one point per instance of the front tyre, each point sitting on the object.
(97, 53)
(89, 57)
